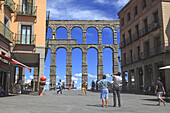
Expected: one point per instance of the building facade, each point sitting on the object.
(144, 42)
(23, 25)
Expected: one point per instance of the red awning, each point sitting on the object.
(14, 61)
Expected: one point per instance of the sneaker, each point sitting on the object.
(164, 103)
(158, 104)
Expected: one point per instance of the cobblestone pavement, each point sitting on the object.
(71, 101)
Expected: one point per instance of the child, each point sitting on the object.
(84, 88)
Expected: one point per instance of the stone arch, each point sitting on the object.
(59, 31)
(71, 44)
(107, 36)
(79, 34)
(92, 39)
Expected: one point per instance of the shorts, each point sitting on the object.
(159, 94)
(104, 94)
(83, 89)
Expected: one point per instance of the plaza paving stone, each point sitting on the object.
(71, 101)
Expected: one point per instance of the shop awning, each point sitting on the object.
(14, 62)
(165, 67)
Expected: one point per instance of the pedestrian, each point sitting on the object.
(104, 84)
(60, 88)
(84, 88)
(159, 91)
(117, 80)
(73, 85)
(93, 85)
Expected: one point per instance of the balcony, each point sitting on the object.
(24, 42)
(156, 50)
(143, 32)
(29, 10)
(10, 5)
(6, 32)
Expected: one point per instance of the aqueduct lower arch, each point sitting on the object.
(70, 44)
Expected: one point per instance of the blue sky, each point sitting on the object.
(81, 10)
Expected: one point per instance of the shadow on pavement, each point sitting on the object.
(167, 100)
(150, 104)
(97, 105)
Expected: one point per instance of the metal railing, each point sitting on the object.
(25, 39)
(156, 50)
(28, 10)
(151, 27)
(10, 4)
(6, 32)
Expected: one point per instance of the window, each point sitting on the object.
(144, 3)
(146, 49)
(128, 16)
(138, 53)
(27, 6)
(26, 34)
(123, 37)
(155, 17)
(124, 58)
(135, 10)
(137, 31)
(157, 45)
(122, 21)
(130, 35)
(145, 26)
(131, 60)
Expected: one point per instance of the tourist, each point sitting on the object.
(117, 80)
(104, 84)
(93, 85)
(60, 88)
(84, 88)
(73, 85)
(159, 91)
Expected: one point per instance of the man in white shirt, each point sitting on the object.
(117, 80)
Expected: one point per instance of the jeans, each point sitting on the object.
(60, 90)
(118, 96)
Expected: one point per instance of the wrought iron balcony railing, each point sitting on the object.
(28, 10)
(144, 31)
(25, 39)
(10, 4)
(156, 50)
(6, 32)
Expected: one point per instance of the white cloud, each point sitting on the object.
(57, 77)
(75, 82)
(63, 81)
(47, 82)
(74, 78)
(92, 76)
(31, 77)
(28, 81)
(64, 76)
(78, 75)
(107, 75)
(121, 3)
(66, 10)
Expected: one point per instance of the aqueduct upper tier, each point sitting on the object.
(69, 44)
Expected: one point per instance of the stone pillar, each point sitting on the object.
(123, 82)
(12, 76)
(129, 81)
(35, 79)
(137, 82)
(115, 37)
(99, 37)
(69, 34)
(84, 37)
(23, 75)
(115, 62)
(69, 69)
(84, 67)
(53, 35)
(53, 69)
(100, 66)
